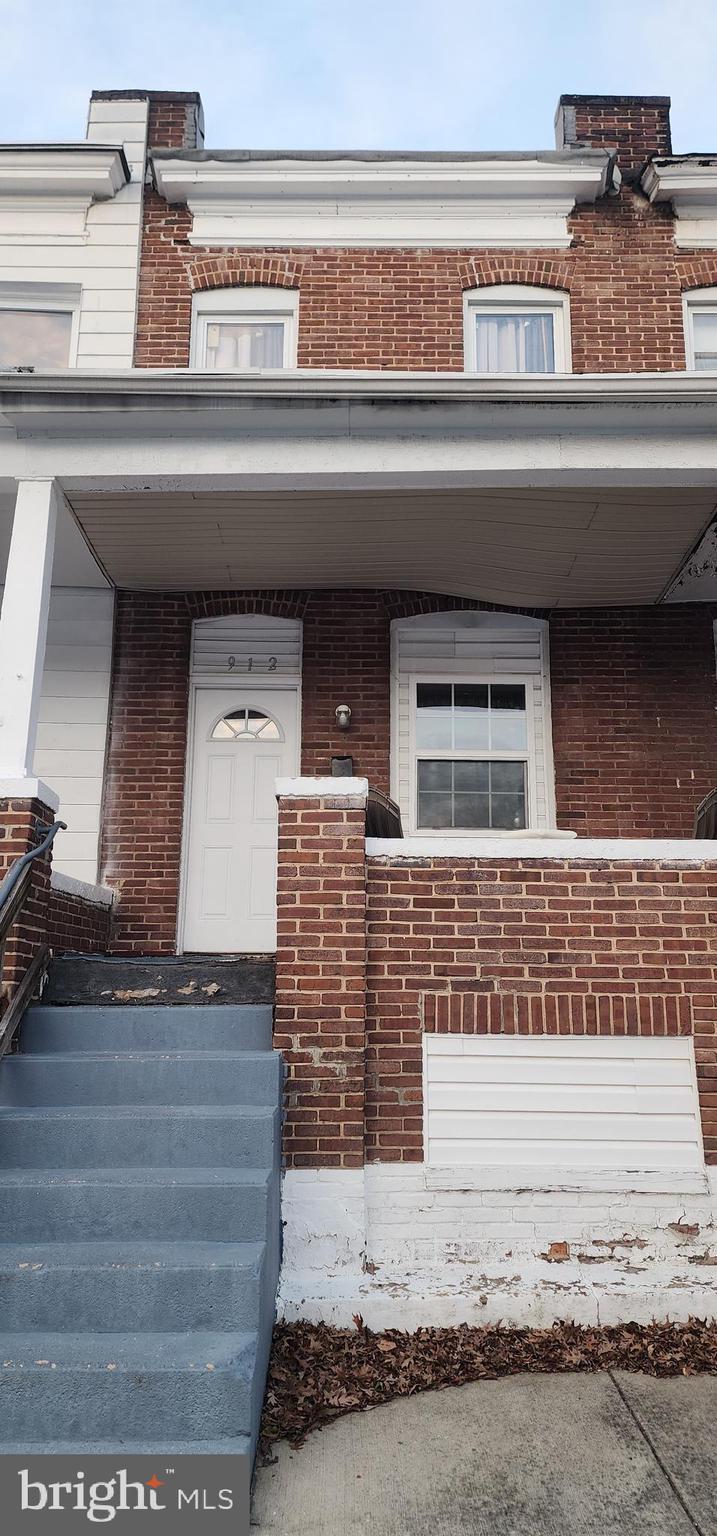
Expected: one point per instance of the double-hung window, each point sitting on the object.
(242, 330)
(514, 329)
(38, 326)
(701, 330)
(472, 755)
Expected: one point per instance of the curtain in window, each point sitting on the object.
(242, 344)
(516, 343)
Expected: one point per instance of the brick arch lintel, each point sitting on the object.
(244, 271)
(275, 605)
(698, 271)
(529, 268)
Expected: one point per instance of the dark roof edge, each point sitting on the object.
(617, 101)
(550, 156)
(142, 95)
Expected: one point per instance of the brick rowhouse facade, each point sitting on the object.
(404, 308)
(634, 702)
(374, 951)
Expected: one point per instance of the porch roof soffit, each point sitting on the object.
(517, 547)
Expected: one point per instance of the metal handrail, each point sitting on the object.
(13, 892)
(15, 872)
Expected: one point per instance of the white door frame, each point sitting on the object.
(252, 682)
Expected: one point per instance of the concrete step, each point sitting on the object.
(196, 1386)
(141, 1286)
(228, 1028)
(167, 1204)
(71, 1136)
(141, 1077)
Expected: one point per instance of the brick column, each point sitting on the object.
(321, 969)
(23, 824)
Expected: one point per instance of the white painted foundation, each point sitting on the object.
(379, 1242)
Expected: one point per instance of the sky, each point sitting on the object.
(363, 74)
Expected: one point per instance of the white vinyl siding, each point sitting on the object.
(480, 645)
(242, 644)
(601, 1102)
(72, 728)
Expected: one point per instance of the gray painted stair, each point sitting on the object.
(139, 1191)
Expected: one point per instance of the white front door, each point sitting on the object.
(243, 741)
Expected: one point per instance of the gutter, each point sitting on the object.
(153, 387)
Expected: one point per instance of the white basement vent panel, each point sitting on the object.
(561, 1103)
(244, 644)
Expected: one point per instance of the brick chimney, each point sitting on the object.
(635, 126)
(176, 120)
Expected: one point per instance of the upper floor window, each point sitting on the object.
(701, 329)
(516, 330)
(242, 329)
(38, 327)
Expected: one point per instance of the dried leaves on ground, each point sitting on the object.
(317, 1373)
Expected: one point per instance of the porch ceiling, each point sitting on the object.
(537, 548)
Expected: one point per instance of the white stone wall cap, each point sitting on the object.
(319, 789)
(99, 895)
(29, 789)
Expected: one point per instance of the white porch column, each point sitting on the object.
(23, 623)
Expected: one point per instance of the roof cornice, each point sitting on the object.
(371, 198)
(689, 183)
(89, 171)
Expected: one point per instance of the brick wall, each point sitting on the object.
(321, 977)
(403, 308)
(634, 703)
(144, 773)
(524, 947)
(59, 919)
(633, 696)
(76, 925)
(24, 824)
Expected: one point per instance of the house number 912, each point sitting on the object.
(253, 663)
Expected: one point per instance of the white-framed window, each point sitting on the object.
(38, 326)
(242, 330)
(472, 744)
(514, 329)
(471, 738)
(700, 310)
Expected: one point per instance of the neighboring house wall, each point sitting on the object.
(44, 243)
(633, 704)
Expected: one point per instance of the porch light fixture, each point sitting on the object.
(343, 716)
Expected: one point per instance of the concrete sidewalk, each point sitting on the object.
(606, 1455)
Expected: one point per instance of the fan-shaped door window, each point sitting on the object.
(247, 725)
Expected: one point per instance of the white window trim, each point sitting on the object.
(693, 301)
(544, 301)
(469, 755)
(225, 304)
(55, 298)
